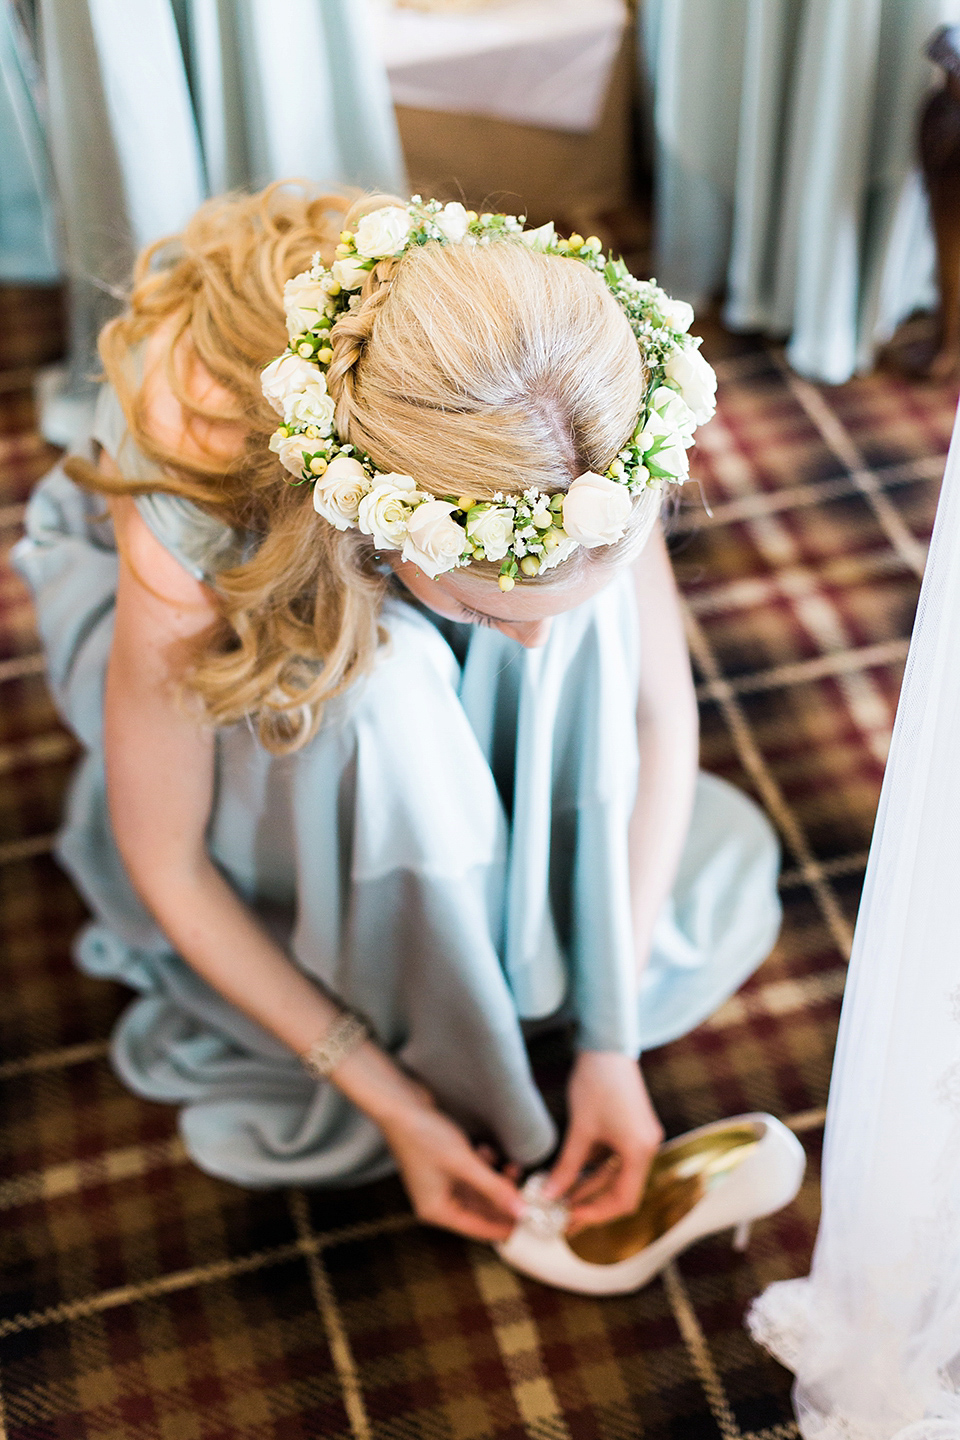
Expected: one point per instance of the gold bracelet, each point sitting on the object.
(345, 1035)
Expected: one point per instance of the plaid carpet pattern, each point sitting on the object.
(141, 1298)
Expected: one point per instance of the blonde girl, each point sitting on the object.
(320, 783)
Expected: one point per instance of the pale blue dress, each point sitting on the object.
(448, 856)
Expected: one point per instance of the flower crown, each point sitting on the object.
(526, 533)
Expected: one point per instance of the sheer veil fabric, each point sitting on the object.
(873, 1333)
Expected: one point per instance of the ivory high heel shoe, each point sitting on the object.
(729, 1173)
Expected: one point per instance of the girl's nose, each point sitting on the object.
(530, 633)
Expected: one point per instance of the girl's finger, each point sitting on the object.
(502, 1194)
(571, 1160)
(472, 1224)
(596, 1181)
(622, 1197)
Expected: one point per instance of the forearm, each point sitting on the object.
(668, 739)
(216, 933)
(660, 819)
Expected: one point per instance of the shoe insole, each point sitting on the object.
(679, 1176)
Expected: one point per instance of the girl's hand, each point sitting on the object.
(611, 1122)
(448, 1182)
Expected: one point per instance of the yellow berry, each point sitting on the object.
(325, 355)
(593, 242)
(506, 582)
(346, 236)
(466, 502)
(551, 539)
(471, 216)
(318, 465)
(576, 242)
(343, 251)
(530, 565)
(305, 350)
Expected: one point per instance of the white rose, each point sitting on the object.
(434, 541)
(292, 449)
(285, 376)
(350, 273)
(383, 232)
(542, 238)
(677, 313)
(555, 557)
(311, 406)
(304, 300)
(492, 527)
(339, 492)
(698, 384)
(452, 222)
(666, 458)
(674, 412)
(384, 513)
(596, 510)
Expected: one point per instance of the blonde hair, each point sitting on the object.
(472, 369)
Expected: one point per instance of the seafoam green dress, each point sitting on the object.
(448, 856)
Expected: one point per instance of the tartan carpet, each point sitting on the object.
(141, 1298)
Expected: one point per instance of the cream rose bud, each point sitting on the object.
(382, 232)
(303, 299)
(291, 449)
(452, 222)
(556, 556)
(674, 412)
(350, 273)
(434, 541)
(670, 462)
(384, 513)
(697, 381)
(492, 527)
(596, 510)
(285, 376)
(338, 493)
(311, 405)
(541, 238)
(678, 314)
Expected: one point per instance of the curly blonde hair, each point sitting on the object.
(481, 369)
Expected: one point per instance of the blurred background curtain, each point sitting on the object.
(28, 254)
(785, 171)
(152, 105)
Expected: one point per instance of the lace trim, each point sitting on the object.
(780, 1321)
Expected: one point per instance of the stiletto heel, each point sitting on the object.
(741, 1235)
(718, 1177)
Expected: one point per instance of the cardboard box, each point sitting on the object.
(497, 165)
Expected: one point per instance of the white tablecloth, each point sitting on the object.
(536, 62)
